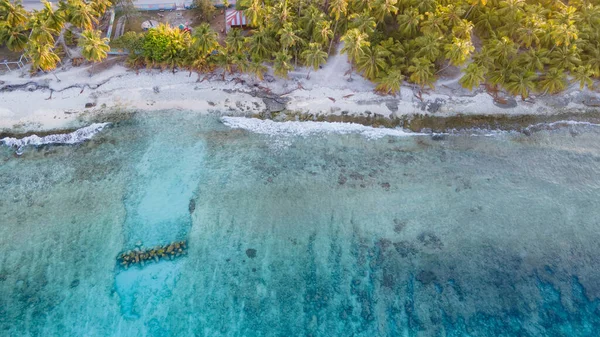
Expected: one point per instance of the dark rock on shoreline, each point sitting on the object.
(592, 102)
(273, 105)
(506, 103)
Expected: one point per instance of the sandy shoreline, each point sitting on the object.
(43, 103)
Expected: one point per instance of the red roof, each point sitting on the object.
(235, 18)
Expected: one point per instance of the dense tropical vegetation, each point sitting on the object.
(519, 46)
(40, 33)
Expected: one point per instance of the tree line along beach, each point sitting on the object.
(310, 60)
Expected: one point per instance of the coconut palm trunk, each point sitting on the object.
(333, 37)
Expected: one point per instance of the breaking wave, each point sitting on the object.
(559, 125)
(309, 128)
(77, 136)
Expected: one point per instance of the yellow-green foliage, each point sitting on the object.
(521, 45)
(36, 32)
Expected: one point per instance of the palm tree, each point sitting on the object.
(535, 59)
(383, 9)
(166, 46)
(463, 30)
(235, 40)
(553, 81)
(82, 15)
(42, 57)
(14, 37)
(54, 20)
(281, 64)
(475, 3)
(314, 57)
(100, 6)
(260, 44)
(337, 9)
(323, 33)
(354, 42)
(564, 34)
(503, 49)
(93, 46)
(583, 76)
(312, 16)
(433, 25)
(225, 61)
(255, 13)
(459, 51)
(364, 22)
(279, 14)
(240, 61)
(528, 35)
(372, 61)
(565, 57)
(421, 71)
(390, 83)
(521, 83)
(474, 76)
(425, 6)
(500, 75)
(12, 13)
(483, 58)
(486, 22)
(592, 58)
(287, 36)
(429, 46)
(408, 22)
(452, 14)
(509, 9)
(205, 40)
(395, 51)
(257, 69)
(40, 32)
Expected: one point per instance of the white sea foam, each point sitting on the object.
(74, 137)
(567, 123)
(559, 125)
(304, 129)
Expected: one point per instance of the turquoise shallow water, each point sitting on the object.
(326, 235)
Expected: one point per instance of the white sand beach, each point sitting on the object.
(46, 102)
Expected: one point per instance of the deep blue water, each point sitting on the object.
(325, 235)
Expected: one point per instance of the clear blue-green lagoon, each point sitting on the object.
(325, 234)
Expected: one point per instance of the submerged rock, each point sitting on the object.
(192, 206)
(143, 256)
(251, 253)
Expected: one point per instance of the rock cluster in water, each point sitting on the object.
(141, 256)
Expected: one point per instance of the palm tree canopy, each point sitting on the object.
(235, 40)
(474, 76)
(422, 72)
(94, 46)
(205, 39)
(354, 42)
(314, 56)
(390, 83)
(372, 61)
(281, 64)
(42, 56)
